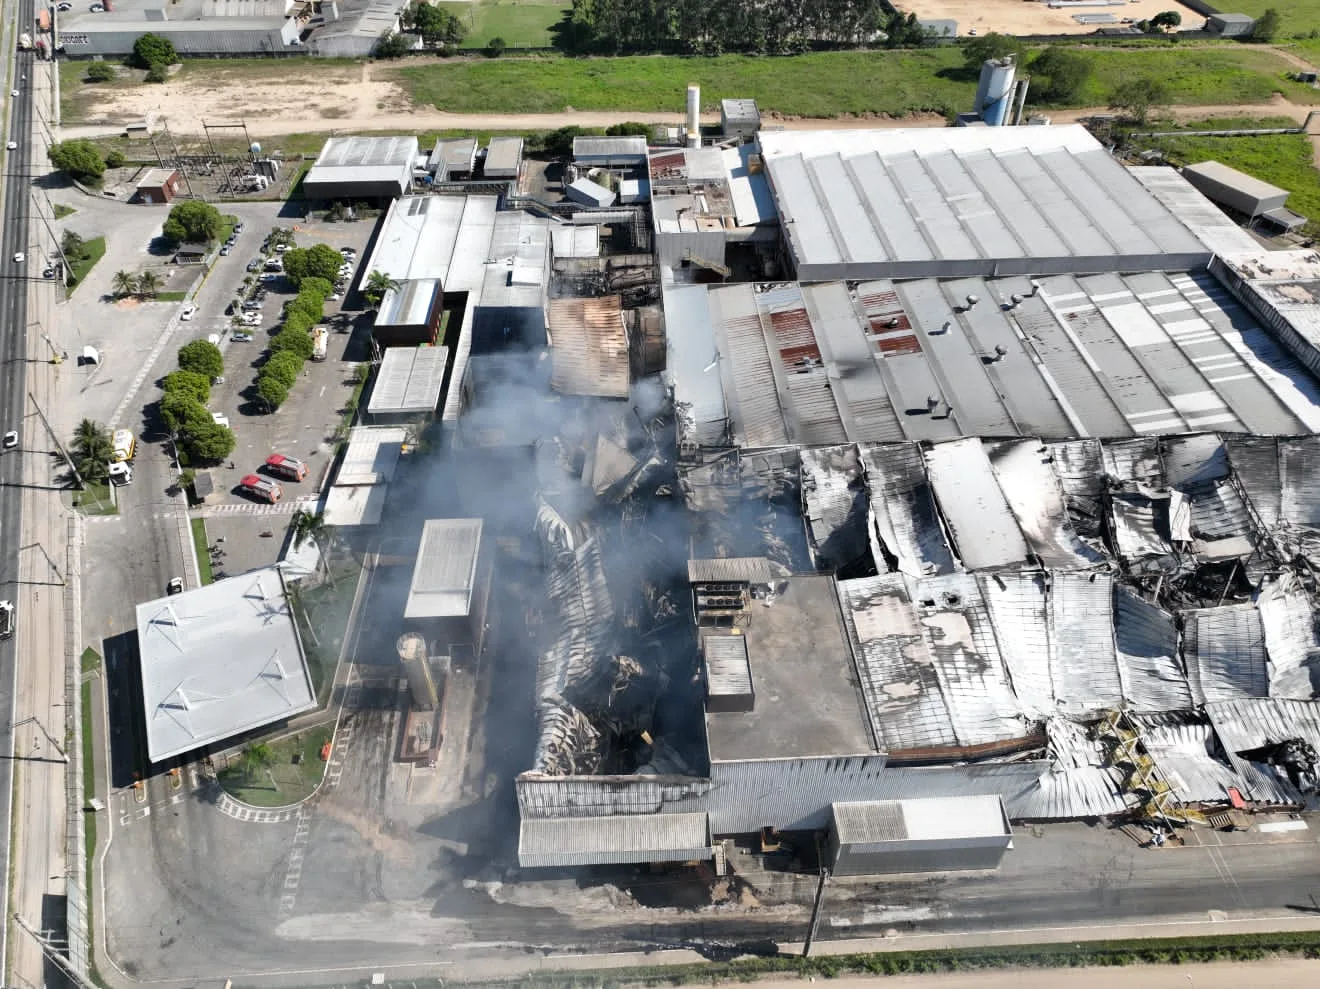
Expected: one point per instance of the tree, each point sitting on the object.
(80, 159)
(987, 46)
(318, 261)
(297, 322)
(306, 304)
(272, 391)
(1165, 20)
(393, 45)
(180, 411)
(294, 341)
(307, 525)
(1267, 26)
(195, 386)
(206, 441)
(436, 26)
(194, 221)
(375, 287)
(319, 288)
(92, 450)
(204, 357)
(151, 50)
(123, 284)
(495, 47)
(72, 245)
(1058, 74)
(1137, 97)
(560, 142)
(149, 284)
(115, 158)
(283, 366)
(629, 128)
(255, 758)
(100, 72)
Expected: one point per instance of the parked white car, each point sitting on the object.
(188, 312)
(220, 419)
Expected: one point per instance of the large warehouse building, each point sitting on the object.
(354, 169)
(1005, 479)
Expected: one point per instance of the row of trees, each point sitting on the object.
(146, 285)
(292, 346)
(731, 25)
(82, 160)
(183, 409)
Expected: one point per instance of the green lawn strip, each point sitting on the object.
(170, 296)
(203, 550)
(94, 499)
(521, 23)
(93, 250)
(61, 211)
(90, 661)
(1284, 160)
(823, 84)
(283, 781)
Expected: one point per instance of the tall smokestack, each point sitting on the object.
(412, 652)
(693, 115)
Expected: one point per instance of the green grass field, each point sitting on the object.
(93, 251)
(822, 84)
(202, 549)
(1284, 160)
(521, 23)
(283, 781)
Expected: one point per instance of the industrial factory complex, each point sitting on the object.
(893, 486)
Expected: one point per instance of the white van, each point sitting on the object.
(120, 473)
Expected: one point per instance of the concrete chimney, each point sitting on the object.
(693, 115)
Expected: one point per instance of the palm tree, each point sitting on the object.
(123, 284)
(377, 284)
(148, 284)
(92, 450)
(312, 525)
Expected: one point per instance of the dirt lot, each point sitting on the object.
(1021, 18)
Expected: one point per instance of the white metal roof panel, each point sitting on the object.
(692, 365)
(445, 573)
(851, 226)
(409, 380)
(1078, 229)
(1085, 668)
(746, 369)
(622, 839)
(1007, 198)
(1206, 221)
(921, 819)
(218, 661)
(372, 455)
(1291, 637)
(355, 504)
(984, 531)
(926, 202)
(901, 232)
(969, 205)
(1016, 603)
(1033, 494)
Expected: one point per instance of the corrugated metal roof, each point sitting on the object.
(1206, 220)
(620, 840)
(409, 380)
(1147, 641)
(728, 672)
(372, 455)
(1183, 751)
(446, 569)
(732, 569)
(627, 146)
(1031, 489)
(746, 370)
(835, 506)
(1299, 469)
(905, 519)
(590, 347)
(411, 304)
(576, 241)
(1085, 668)
(1291, 638)
(1225, 653)
(922, 819)
(983, 527)
(692, 365)
(390, 155)
(453, 154)
(503, 156)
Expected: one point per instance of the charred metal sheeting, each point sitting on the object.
(1183, 747)
(1291, 638)
(835, 508)
(590, 347)
(1257, 729)
(1147, 639)
(984, 529)
(905, 523)
(580, 658)
(1025, 472)
(1079, 782)
(1225, 653)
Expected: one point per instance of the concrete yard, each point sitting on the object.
(1014, 17)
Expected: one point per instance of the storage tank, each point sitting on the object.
(693, 115)
(417, 668)
(994, 93)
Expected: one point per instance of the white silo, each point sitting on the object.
(693, 115)
(994, 93)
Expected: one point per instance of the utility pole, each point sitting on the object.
(59, 248)
(56, 440)
(54, 955)
(815, 911)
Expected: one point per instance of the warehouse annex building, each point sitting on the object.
(1005, 473)
(357, 169)
(219, 661)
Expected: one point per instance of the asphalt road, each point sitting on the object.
(13, 398)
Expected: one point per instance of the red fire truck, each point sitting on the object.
(261, 488)
(286, 467)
